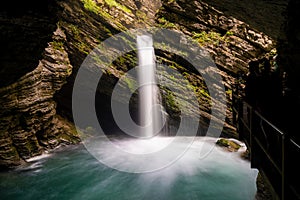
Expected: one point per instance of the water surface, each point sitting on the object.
(72, 173)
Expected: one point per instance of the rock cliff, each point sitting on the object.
(28, 118)
(46, 44)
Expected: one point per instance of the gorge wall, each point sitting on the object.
(45, 43)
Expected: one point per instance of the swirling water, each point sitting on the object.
(72, 173)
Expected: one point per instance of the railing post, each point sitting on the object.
(253, 163)
(254, 156)
(260, 153)
(283, 159)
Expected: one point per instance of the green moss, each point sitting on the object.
(141, 15)
(164, 23)
(229, 92)
(69, 71)
(191, 87)
(108, 31)
(204, 93)
(198, 91)
(130, 83)
(228, 143)
(173, 78)
(205, 38)
(273, 52)
(58, 45)
(173, 67)
(75, 31)
(91, 6)
(113, 3)
(82, 47)
(229, 33)
(98, 60)
(170, 100)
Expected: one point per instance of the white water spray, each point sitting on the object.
(150, 115)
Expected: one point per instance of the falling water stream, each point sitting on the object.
(150, 115)
(73, 173)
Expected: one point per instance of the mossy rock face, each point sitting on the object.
(228, 144)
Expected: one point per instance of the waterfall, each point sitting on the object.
(151, 117)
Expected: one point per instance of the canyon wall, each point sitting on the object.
(45, 44)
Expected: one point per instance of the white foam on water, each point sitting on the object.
(36, 158)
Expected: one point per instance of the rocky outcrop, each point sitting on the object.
(28, 117)
(36, 80)
(37, 63)
(228, 144)
(25, 29)
(268, 17)
(279, 20)
(230, 42)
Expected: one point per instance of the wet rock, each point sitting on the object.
(29, 122)
(229, 145)
(46, 46)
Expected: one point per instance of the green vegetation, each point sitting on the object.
(166, 24)
(99, 61)
(229, 33)
(141, 15)
(170, 100)
(229, 92)
(113, 3)
(91, 6)
(197, 90)
(57, 45)
(204, 93)
(231, 145)
(273, 52)
(205, 38)
(130, 83)
(173, 78)
(81, 46)
(75, 31)
(69, 70)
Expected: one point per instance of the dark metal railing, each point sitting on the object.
(272, 151)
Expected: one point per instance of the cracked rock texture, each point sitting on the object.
(45, 43)
(28, 119)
